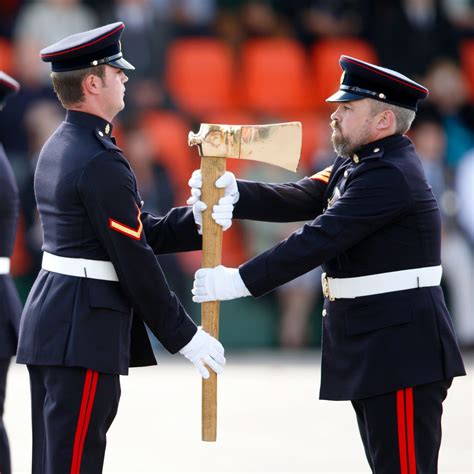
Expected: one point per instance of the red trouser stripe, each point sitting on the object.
(88, 395)
(406, 432)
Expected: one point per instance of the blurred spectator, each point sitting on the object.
(320, 19)
(146, 38)
(13, 129)
(458, 260)
(8, 11)
(296, 299)
(44, 22)
(449, 100)
(188, 17)
(461, 14)
(409, 35)
(465, 192)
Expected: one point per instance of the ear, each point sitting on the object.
(92, 84)
(386, 120)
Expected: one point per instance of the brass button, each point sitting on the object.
(324, 313)
(355, 158)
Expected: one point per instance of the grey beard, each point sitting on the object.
(343, 148)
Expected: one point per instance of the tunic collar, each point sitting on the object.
(90, 121)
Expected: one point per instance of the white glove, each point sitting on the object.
(204, 349)
(221, 212)
(218, 283)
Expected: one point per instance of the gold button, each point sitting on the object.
(376, 150)
(95, 62)
(324, 313)
(355, 158)
(382, 96)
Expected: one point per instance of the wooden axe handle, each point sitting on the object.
(211, 169)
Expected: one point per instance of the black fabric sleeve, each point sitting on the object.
(289, 202)
(108, 190)
(174, 232)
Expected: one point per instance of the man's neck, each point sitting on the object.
(91, 109)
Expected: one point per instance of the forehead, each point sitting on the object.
(362, 104)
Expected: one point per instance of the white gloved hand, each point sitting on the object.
(218, 284)
(202, 350)
(221, 212)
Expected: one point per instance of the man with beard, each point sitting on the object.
(388, 340)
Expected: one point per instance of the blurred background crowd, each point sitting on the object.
(244, 62)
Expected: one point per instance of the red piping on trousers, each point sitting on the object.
(406, 432)
(88, 395)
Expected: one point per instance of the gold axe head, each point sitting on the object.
(278, 144)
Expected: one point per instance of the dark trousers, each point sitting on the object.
(72, 408)
(401, 431)
(5, 467)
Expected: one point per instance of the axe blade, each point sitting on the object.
(278, 144)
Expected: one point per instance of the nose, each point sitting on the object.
(335, 114)
(124, 77)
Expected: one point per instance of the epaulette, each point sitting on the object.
(106, 141)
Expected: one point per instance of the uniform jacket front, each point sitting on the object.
(89, 208)
(371, 213)
(10, 305)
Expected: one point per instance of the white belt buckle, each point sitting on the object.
(325, 286)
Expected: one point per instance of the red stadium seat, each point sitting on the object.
(274, 77)
(467, 64)
(168, 132)
(200, 75)
(326, 72)
(6, 56)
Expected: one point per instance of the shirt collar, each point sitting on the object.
(91, 121)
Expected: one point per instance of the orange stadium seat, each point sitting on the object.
(467, 64)
(312, 130)
(6, 56)
(168, 132)
(200, 74)
(274, 77)
(326, 72)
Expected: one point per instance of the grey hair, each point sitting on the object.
(403, 117)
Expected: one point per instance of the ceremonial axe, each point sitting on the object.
(277, 144)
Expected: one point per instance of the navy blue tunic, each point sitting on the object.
(371, 213)
(89, 208)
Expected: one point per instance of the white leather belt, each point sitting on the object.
(79, 267)
(335, 288)
(4, 265)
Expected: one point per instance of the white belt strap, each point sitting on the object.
(334, 288)
(4, 265)
(79, 267)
